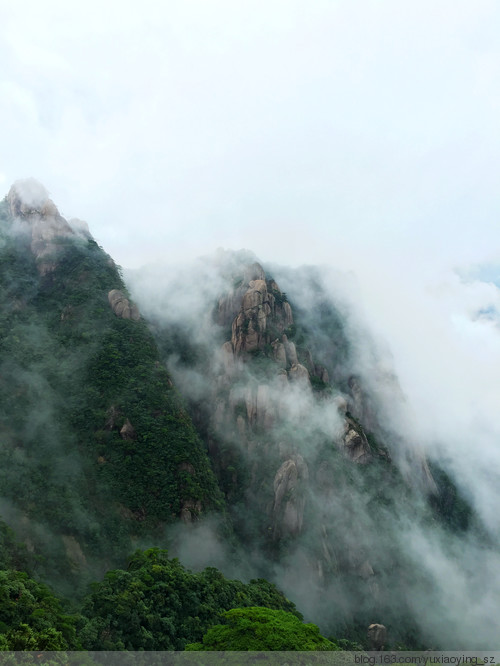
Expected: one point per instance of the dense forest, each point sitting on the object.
(240, 421)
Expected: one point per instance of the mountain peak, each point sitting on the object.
(29, 203)
(28, 196)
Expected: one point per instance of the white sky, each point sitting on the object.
(307, 131)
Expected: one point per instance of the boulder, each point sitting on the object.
(127, 431)
(377, 635)
(355, 443)
(121, 306)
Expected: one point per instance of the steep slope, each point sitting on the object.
(97, 449)
(284, 436)
(299, 446)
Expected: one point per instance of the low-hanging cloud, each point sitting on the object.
(424, 352)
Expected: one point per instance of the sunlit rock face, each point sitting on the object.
(39, 218)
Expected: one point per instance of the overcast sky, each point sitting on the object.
(361, 135)
(307, 131)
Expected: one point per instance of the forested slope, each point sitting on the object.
(97, 449)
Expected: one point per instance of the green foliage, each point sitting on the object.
(71, 374)
(263, 629)
(318, 384)
(31, 617)
(156, 604)
(279, 296)
(13, 555)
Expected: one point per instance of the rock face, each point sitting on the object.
(122, 307)
(254, 412)
(299, 373)
(290, 448)
(377, 635)
(127, 431)
(263, 314)
(190, 510)
(39, 218)
(289, 497)
(355, 443)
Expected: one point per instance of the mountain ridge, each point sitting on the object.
(272, 449)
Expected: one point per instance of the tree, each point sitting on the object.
(31, 617)
(262, 629)
(157, 604)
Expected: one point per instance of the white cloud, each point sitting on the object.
(333, 128)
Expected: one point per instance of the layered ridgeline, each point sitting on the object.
(325, 498)
(98, 452)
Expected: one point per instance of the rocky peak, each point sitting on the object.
(30, 204)
(29, 197)
(263, 311)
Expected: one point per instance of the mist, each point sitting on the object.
(423, 346)
(361, 142)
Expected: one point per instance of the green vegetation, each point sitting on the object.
(99, 454)
(155, 604)
(31, 617)
(279, 296)
(72, 375)
(263, 629)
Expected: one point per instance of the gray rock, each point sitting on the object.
(377, 635)
(122, 307)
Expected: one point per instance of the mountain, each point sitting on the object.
(223, 410)
(296, 442)
(98, 451)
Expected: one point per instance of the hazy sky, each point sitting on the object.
(307, 131)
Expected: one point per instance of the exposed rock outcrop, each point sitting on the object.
(29, 203)
(298, 373)
(259, 302)
(289, 497)
(279, 353)
(290, 350)
(377, 635)
(355, 443)
(190, 510)
(230, 304)
(127, 431)
(121, 305)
